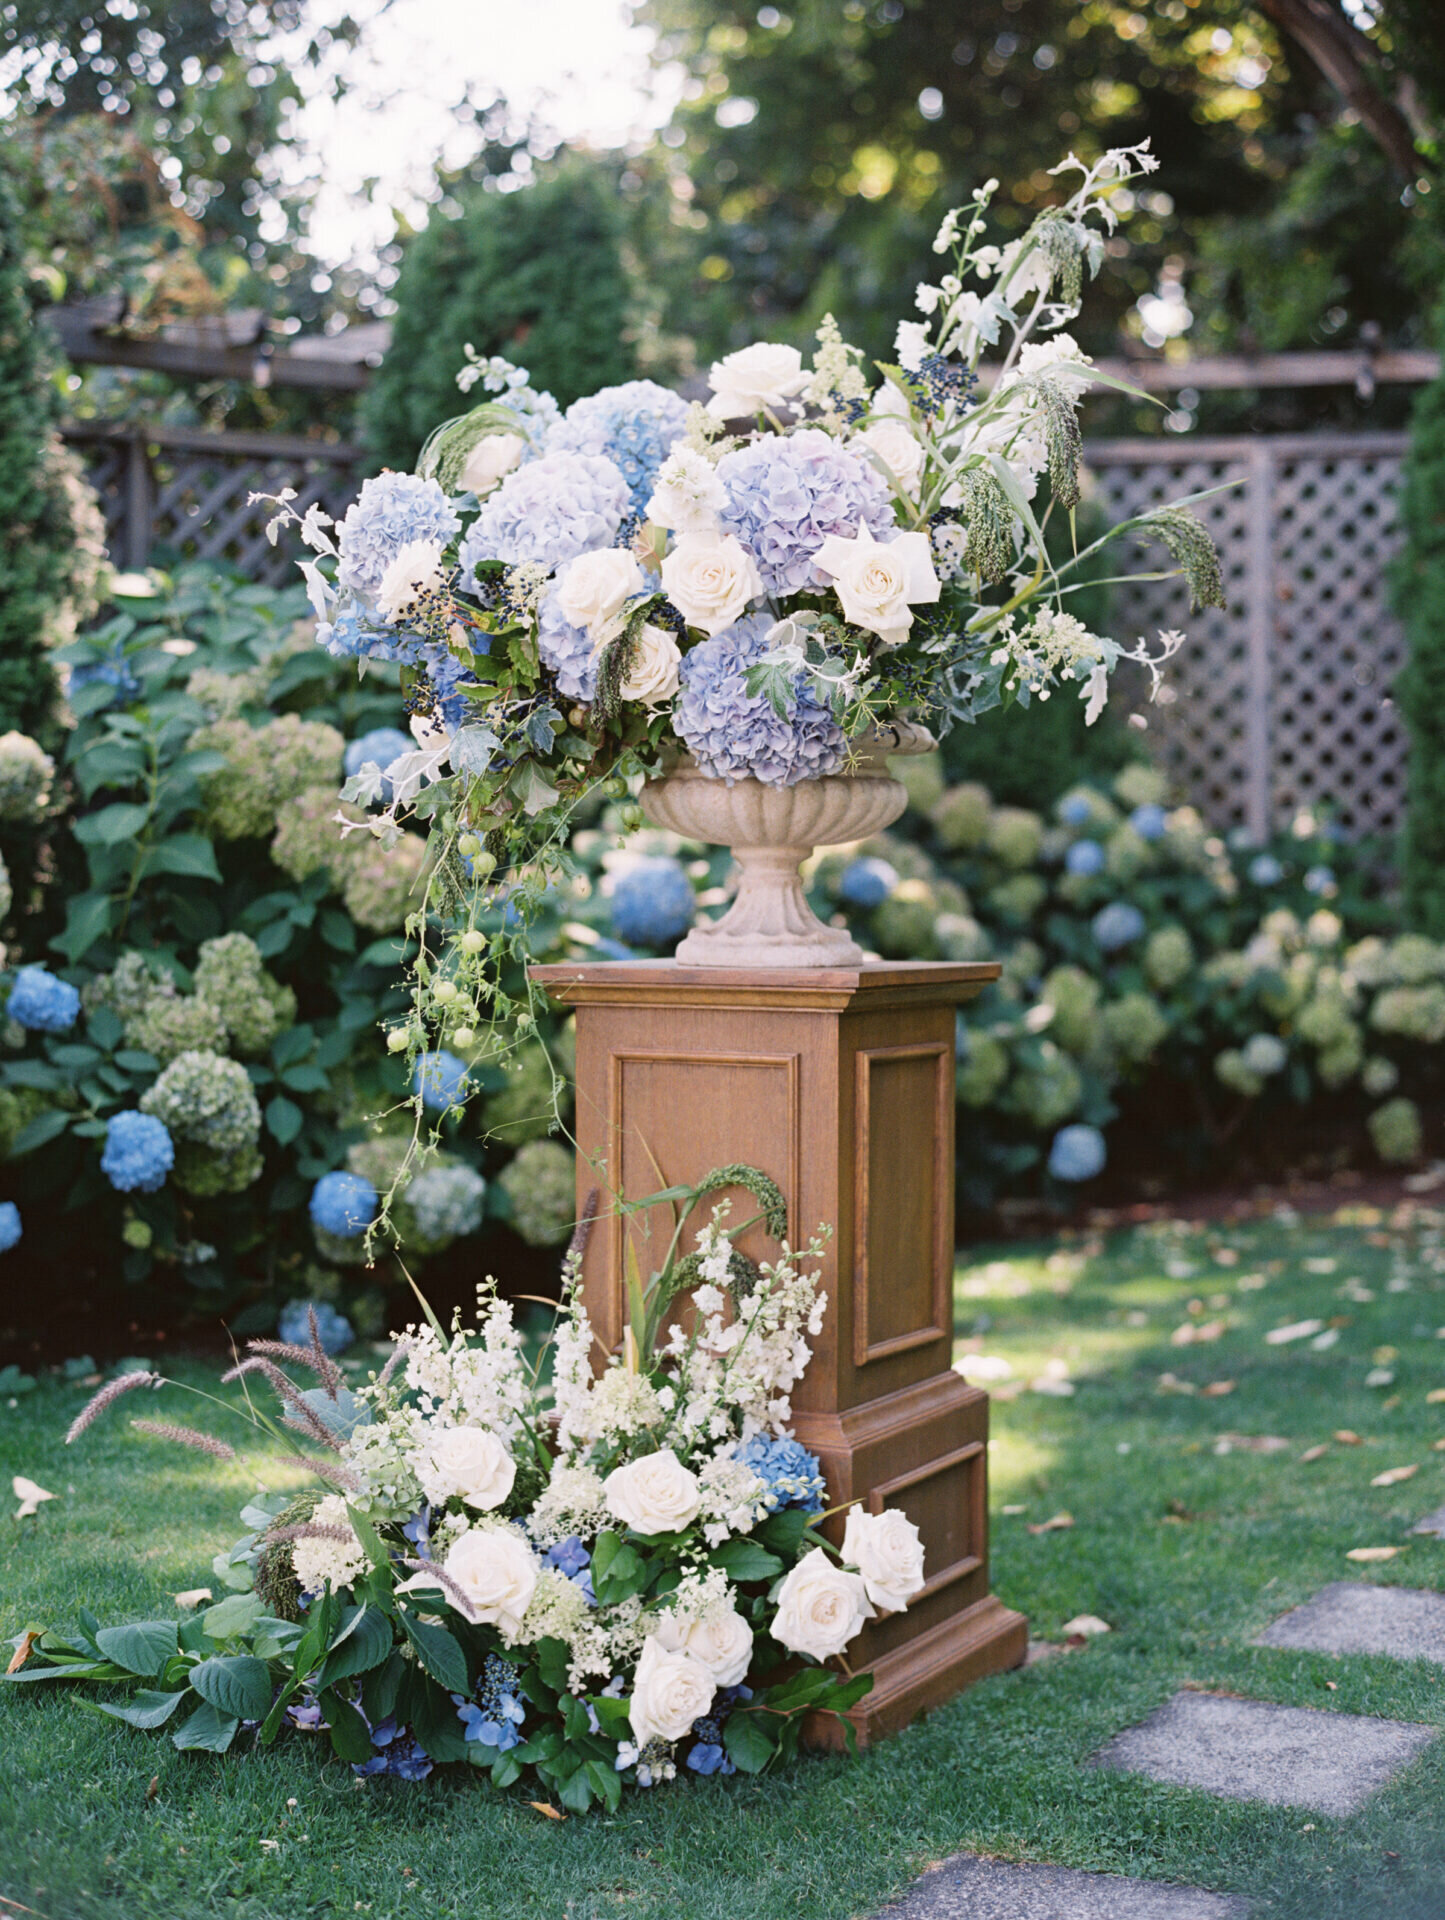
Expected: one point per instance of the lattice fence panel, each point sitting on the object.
(201, 507)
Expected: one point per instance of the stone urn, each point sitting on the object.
(771, 831)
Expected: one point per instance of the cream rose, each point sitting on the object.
(886, 1550)
(653, 675)
(820, 1607)
(723, 1641)
(497, 1573)
(669, 1692)
(656, 1494)
(878, 584)
(468, 1461)
(416, 569)
(754, 377)
(710, 578)
(490, 460)
(597, 586)
(899, 450)
(688, 496)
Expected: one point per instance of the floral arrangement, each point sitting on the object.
(509, 1561)
(757, 582)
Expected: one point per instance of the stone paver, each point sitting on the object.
(1350, 1617)
(1432, 1523)
(1250, 1750)
(965, 1888)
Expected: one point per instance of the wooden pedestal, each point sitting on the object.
(838, 1083)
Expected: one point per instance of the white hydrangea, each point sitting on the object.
(573, 1502)
(319, 1562)
(734, 1499)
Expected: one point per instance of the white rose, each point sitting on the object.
(891, 399)
(820, 1607)
(653, 675)
(897, 448)
(596, 587)
(755, 377)
(886, 1550)
(468, 1461)
(490, 460)
(670, 1691)
(723, 1641)
(656, 1494)
(688, 496)
(876, 583)
(416, 569)
(710, 578)
(497, 1572)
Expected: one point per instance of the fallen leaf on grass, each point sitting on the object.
(1346, 1438)
(1324, 1264)
(154, 1788)
(1086, 1624)
(552, 1813)
(192, 1597)
(1392, 1476)
(29, 1496)
(22, 1651)
(1322, 1342)
(1217, 1389)
(1380, 1377)
(1297, 1330)
(1437, 1446)
(1252, 1282)
(1191, 1334)
(1435, 1397)
(1313, 1453)
(1013, 1509)
(1052, 1384)
(1053, 1525)
(1251, 1443)
(1170, 1383)
(1373, 1553)
(984, 1367)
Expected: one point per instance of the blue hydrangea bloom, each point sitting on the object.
(567, 650)
(1149, 822)
(867, 883)
(441, 1080)
(1074, 810)
(113, 672)
(787, 1469)
(785, 496)
(42, 1003)
(9, 1225)
(548, 512)
(635, 425)
(398, 1751)
(708, 1756)
(1085, 857)
(138, 1152)
(378, 749)
(294, 1325)
(1320, 880)
(653, 904)
(1117, 924)
(344, 1204)
(497, 1713)
(356, 634)
(1078, 1153)
(392, 510)
(732, 733)
(1265, 871)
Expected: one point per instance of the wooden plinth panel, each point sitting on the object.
(838, 1084)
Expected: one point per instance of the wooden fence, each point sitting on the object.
(1281, 702)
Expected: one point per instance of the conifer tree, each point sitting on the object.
(1420, 690)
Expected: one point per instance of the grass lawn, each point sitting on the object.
(1186, 1549)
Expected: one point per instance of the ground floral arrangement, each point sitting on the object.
(514, 1562)
(759, 583)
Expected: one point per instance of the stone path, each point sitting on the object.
(1406, 1622)
(1251, 1750)
(1433, 1523)
(965, 1888)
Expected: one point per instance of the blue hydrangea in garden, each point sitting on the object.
(653, 903)
(789, 1472)
(1149, 822)
(9, 1225)
(378, 749)
(114, 672)
(708, 1754)
(784, 498)
(867, 883)
(495, 1715)
(344, 1204)
(548, 512)
(138, 1152)
(391, 511)
(1074, 810)
(441, 1080)
(43, 1003)
(1085, 857)
(398, 1752)
(635, 425)
(1117, 924)
(294, 1325)
(732, 733)
(567, 650)
(355, 634)
(1077, 1153)
(1321, 880)
(1265, 870)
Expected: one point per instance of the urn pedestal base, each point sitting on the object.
(838, 1082)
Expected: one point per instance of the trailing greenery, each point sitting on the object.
(1420, 690)
(537, 275)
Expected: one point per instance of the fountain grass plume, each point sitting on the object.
(111, 1391)
(186, 1437)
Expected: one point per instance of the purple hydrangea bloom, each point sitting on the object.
(548, 512)
(732, 733)
(138, 1152)
(567, 650)
(786, 495)
(393, 510)
(635, 425)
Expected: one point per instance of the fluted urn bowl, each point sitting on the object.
(771, 831)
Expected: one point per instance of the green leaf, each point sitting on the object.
(121, 820)
(384, 953)
(438, 1652)
(105, 1028)
(75, 1056)
(744, 1560)
(784, 1532)
(188, 854)
(136, 1060)
(292, 1044)
(607, 1782)
(237, 1683)
(626, 1574)
(350, 1739)
(576, 1793)
(144, 1709)
(379, 1689)
(207, 1730)
(143, 1647)
(307, 1078)
(87, 919)
(433, 1719)
(337, 931)
(367, 1643)
(231, 1617)
(35, 1133)
(283, 1119)
(274, 940)
(749, 1743)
